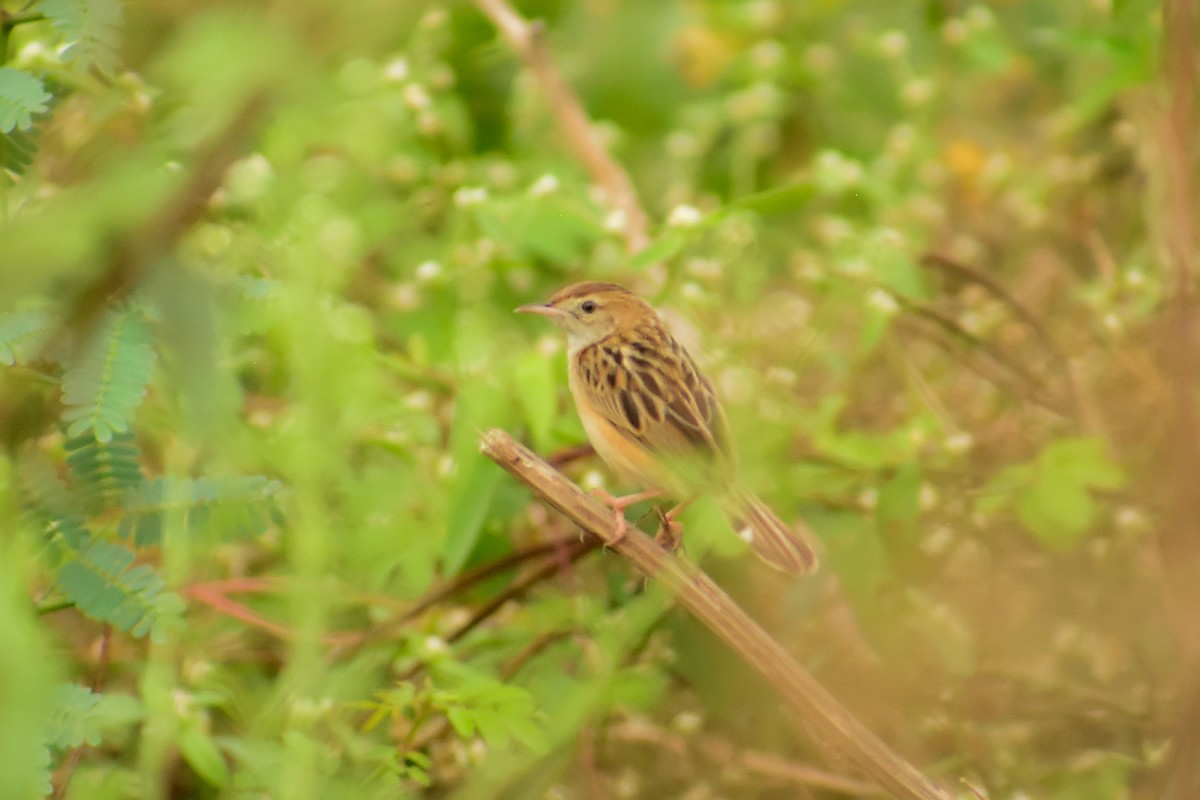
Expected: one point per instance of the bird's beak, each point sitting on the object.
(545, 309)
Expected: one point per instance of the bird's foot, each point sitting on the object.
(670, 531)
(618, 506)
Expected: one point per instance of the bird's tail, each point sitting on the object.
(771, 538)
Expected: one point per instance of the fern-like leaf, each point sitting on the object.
(82, 716)
(103, 472)
(17, 149)
(46, 494)
(238, 508)
(102, 581)
(20, 334)
(107, 381)
(91, 29)
(21, 96)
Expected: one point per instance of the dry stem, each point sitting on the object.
(829, 721)
(528, 42)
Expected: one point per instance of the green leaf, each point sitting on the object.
(107, 380)
(203, 755)
(462, 720)
(778, 200)
(899, 500)
(553, 229)
(17, 149)
(534, 377)
(21, 333)
(100, 578)
(82, 716)
(471, 500)
(664, 248)
(21, 96)
(231, 509)
(1083, 461)
(91, 29)
(103, 473)
(876, 321)
(1053, 493)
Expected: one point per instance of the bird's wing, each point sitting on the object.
(648, 387)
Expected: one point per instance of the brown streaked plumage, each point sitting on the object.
(653, 416)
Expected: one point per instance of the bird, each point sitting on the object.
(653, 417)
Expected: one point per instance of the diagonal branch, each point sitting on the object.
(711, 606)
(1179, 540)
(528, 41)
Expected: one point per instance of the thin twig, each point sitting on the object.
(985, 359)
(577, 551)
(1179, 541)
(458, 584)
(711, 606)
(719, 751)
(997, 290)
(66, 770)
(528, 41)
(137, 252)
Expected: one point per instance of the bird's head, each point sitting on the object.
(591, 311)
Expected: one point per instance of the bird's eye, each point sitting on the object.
(587, 306)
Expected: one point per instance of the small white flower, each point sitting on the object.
(429, 124)
(428, 270)
(434, 18)
(684, 216)
(248, 179)
(883, 301)
(937, 541)
(628, 784)
(868, 499)
(979, 17)
(470, 196)
(1135, 278)
(592, 479)
(958, 442)
(435, 646)
(704, 268)
(833, 230)
(545, 185)
(682, 145)
(781, 376)
(1129, 518)
(893, 44)
(404, 297)
(416, 98)
(182, 701)
(442, 78)
(687, 722)
(927, 497)
(32, 52)
(420, 400)
(767, 54)
(900, 140)
(340, 237)
(917, 92)
(196, 670)
(616, 221)
(396, 70)
(821, 58)
(954, 31)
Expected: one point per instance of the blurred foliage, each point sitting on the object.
(917, 244)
